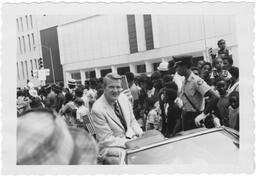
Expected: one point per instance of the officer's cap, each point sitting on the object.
(182, 59)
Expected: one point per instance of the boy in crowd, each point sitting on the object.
(234, 110)
(218, 71)
(223, 51)
(223, 102)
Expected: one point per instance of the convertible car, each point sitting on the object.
(208, 146)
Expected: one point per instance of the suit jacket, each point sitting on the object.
(109, 129)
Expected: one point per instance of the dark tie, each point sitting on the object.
(119, 115)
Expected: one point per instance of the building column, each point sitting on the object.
(132, 68)
(82, 74)
(149, 67)
(97, 72)
(114, 69)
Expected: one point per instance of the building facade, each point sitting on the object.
(98, 44)
(27, 51)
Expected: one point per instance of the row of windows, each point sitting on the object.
(121, 70)
(24, 73)
(133, 36)
(20, 25)
(30, 39)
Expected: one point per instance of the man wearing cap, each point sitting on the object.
(113, 120)
(193, 92)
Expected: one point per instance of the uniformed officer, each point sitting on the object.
(193, 92)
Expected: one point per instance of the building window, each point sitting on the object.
(155, 65)
(35, 63)
(18, 74)
(22, 69)
(27, 22)
(29, 43)
(18, 26)
(20, 45)
(21, 24)
(132, 34)
(26, 65)
(31, 21)
(141, 68)
(90, 74)
(24, 44)
(77, 77)
(123, 70)
(104, 72)
(148, 32)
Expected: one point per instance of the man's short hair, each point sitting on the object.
(111, 76)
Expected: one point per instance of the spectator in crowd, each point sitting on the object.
(113, 120)
(35, 101)
(67, 109)
(81, 109)
(59, 99)
(173, 111)
(162, 101)
(51, 99)
(234, 86)
(196, 70)
(163, 68)
(223, 51)
(133, 88)
(206, 70)
(218, 71)
(200, 63)
(227, 62)
(44, 139)
(79, 93)
(223, 102)
(153, 117)
(171, 68)
(157, 84)
(194, 90)
(22, 102)
(92, 92)
(72, 85)
(234, 110)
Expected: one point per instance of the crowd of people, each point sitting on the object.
(179, 96)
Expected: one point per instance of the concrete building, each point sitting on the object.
(37, 38)
(98, 44)
(27, 53)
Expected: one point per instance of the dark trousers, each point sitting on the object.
(188, 120)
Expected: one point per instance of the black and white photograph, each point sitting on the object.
(128, 86)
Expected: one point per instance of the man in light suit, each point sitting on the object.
(114, 129)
